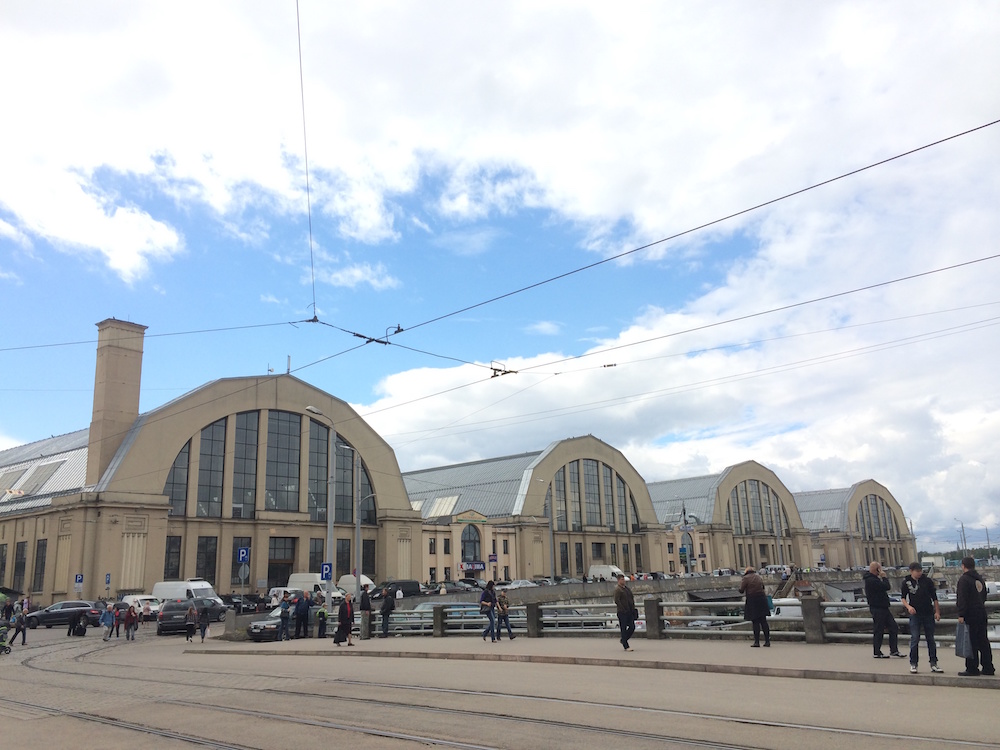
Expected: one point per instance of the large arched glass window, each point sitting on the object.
(470, 544)
(176, 486)
(284, 444)
(211, 463)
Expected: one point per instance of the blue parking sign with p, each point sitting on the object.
(79, 578)
(243, 555)
(326, 572)
(107, 579)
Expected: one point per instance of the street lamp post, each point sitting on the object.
(965, 546)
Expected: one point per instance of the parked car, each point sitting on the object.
(62, 613)
(409, 588)
(478, 583)
(173, 613)
(139, 601)
(520, 583)
(266, 629)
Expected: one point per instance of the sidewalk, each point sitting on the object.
(833, 661)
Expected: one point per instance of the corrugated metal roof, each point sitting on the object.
(43, 469)
(696, 495)
(823, 509)
(489, 486)
(42, 448)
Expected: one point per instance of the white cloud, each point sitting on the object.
(468, 242)
(376, 276)
(544, 328)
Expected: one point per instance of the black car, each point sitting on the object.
(409, 588)
(63, 613)
(173, 614)
(267, 628)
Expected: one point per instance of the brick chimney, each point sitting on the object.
(116, 391)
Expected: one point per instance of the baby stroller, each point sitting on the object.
(4, 648)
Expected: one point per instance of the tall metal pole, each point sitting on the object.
(989, 552)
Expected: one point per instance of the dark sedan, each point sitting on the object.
(173, 614)
(63, 613)
(267, 628)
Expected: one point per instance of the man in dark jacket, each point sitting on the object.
(920, 600)
(877, 587)
(302, 616)
(971, 601)
(625, 604)
(388, 604)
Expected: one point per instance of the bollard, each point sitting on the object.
(654, 625)
(440, 621)
(812, 619)
(534, 616)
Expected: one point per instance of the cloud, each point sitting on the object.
(468, 242)
(544, 328)
(376, 276)
(270, 299)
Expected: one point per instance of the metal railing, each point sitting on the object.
(944, 629)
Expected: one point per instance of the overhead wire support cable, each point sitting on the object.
(705, 225)
(305, 154)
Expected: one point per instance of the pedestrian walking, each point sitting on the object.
(920, 600)
(388, 605)
(755, 609)
(365, 607)
(971, 604)
(118, 621)
(283, 617)
(190, 622)
(131, 623)
(203, 621)
(147, 613)
(345, 621)
(107, 621)
(488, 607)
(20, 626)
(503, 614)
(627, 613)
(877, 588)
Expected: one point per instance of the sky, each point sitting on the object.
(515, 197)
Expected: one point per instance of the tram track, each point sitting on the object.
(186, 678)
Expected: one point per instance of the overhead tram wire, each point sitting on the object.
(305, 155)
(782, 308)
(770, 202)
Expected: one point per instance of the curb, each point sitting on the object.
(986, 683)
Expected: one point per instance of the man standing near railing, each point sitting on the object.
(971, 604)
(627, 613)
(877, 587)
(920, 600)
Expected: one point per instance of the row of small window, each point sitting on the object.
(597, 552)
(21, 565)
(599, 482)
(282, 475)
(761, 554)
(432, 574)
(471, 545)
(281, 551)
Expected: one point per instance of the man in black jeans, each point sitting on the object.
(625, 604)
(388, 604)
(877, 587)
(971, 601)
(920, 600)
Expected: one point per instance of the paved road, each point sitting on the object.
(303, 693)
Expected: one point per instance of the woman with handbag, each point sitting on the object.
(345, 621)
(487, 606)
(756, 610)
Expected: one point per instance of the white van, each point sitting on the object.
(306, 581)
(348, 584)
(192, 588)
(607, 572)
(139, 600)
(788, 608)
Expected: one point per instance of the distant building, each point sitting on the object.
(243, 464)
